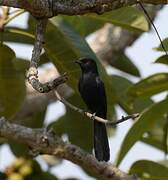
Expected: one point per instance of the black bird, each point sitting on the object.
(93, 93)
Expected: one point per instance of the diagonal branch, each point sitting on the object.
(93, 116)
(48, 143)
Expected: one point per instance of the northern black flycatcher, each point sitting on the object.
(93, 93)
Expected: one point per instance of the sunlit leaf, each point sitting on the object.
(149, 86)
(162, 60)
(157, 136)
(126, 17)
(154, 141)
(17, 35)
(149, 168)
(145, 123)
(165, 43)
(164, 162)
(120, 86)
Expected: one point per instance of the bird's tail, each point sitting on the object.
(101, 145)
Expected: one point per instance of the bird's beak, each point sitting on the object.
(78, 62)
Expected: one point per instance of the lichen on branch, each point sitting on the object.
(49, 8)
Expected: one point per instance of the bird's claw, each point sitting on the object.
(93, 116)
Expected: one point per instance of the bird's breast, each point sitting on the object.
(89, 91)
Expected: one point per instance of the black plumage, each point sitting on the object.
(93, 93)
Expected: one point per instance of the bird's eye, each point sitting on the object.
(87, 62)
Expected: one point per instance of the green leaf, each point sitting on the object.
(127, 17)
(120, 85)
(63, 46)
(17, 35)
(12, 89)
(71, 46)
(165, 43)
(157, 136)
(21, 65)
(162, 60)
(154, 178)
(164, 162)
(124, 64)
(145, 123)
(84, 25)
(154, 141)
(149, 168)
(151, 85)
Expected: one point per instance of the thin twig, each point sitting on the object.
(92, 116)
(17, 13)
(146, 13)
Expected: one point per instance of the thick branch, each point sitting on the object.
(48, 8)
(48, 143)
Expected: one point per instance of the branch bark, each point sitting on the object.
(37, 102)
(49, 8)
(48, 143)
(32, 74)
(93, 116)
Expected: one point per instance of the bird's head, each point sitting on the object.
(87, 65)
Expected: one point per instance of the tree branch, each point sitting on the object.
(48, 8)
(93, 116)
(37, 102)
(48, 143)
(32, 73)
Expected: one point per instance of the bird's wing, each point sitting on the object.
(102, 96)
(79, 85)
